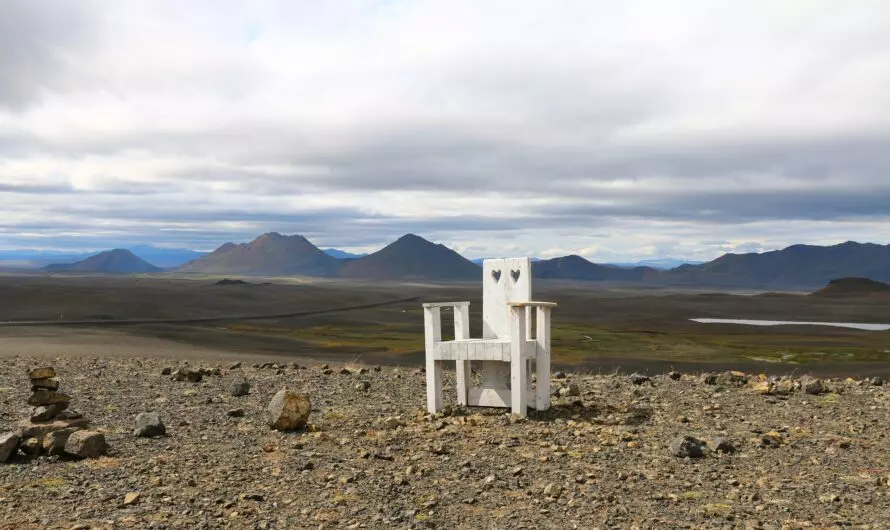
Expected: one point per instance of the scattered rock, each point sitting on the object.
(235, 366)
(345, 371)
(240, 388)
(559, 375)
(393, 422)
(148, 425)
(639, 379)
(32, 447)
(687, 446)
(38, 430)
(709, 378)
(235, 413)
(876, 381)
(86, 444)
(732, 378)
(363, 386)
(187, 374)
(675, 375)
(722, 445)
(813, 386)
(9, 442)
(166, 370)
(288, 410)
(552, 490)
(131, 498)
(772, 439)
(570, 390)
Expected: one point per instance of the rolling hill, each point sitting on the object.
(117, 261)
(412, 257)
(797, 266)
(269, 254)
(575, 267)
(843, 287)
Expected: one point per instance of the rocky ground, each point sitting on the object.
(757, 454)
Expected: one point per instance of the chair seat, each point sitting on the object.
(481, 350)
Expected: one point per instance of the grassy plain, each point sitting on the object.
(596, 326)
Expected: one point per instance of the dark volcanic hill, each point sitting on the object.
(269, 254)
(796, 266)
(853, 287)
(577, 268)
(412, 257)
(117, 261)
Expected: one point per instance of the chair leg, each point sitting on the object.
(518, 386)
(462, 372)
(434, 397)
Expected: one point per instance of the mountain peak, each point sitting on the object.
(119, 261)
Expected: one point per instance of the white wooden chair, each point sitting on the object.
(506, 349)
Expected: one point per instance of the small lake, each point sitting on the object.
(867, 327)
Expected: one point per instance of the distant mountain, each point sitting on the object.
(478, 261)
(412, 257)
(269, 254)
(853, 287)
(577, 268)
(161, 257)
(657, 263)
(117, 261)
(166, 257)
(341, 254)
(798, 266)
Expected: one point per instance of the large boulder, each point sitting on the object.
(288, 410)
(9, 443)
(149, 424)
(86, 444)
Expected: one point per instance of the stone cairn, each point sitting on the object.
(52, 429)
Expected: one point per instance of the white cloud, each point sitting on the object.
(614, 129)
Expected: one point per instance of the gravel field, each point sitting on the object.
(603, 457)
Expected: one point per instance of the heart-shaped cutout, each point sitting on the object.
(515, 275)
(496, 274)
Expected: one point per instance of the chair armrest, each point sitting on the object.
(531, 304)
(447, 304)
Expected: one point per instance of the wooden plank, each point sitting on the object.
(432, 322)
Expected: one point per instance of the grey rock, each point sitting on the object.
(570, 390)
(813, 386)
(876, 381)
(363, 386)
(187, 374)
(288, 410)
(235, 366)
(9, 443)
(240, 388)
(236, 413)
(722, 445)
(687, 446)
(49, 412)
(709, 378)
(559, 375)
(86, 444)
(149, 424)
(166, 370)
(675, 375)
(639, 379)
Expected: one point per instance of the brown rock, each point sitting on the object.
(289, 410)
(47, 413)
(42, 373)
(39, 430)
(131, 498)
(42, 398)
(45, 384)
(32, 447)
(86, 444)
(54, 442)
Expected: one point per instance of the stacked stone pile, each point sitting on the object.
(53, 429)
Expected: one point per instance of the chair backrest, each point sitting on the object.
(503, 280)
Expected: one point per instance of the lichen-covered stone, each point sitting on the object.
(288, 410)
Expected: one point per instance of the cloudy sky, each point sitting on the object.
(615, 129)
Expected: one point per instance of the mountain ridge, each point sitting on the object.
(116, 261)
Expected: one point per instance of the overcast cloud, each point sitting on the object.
(612, 129)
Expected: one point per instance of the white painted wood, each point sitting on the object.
(432, 320)
(462, 369)
(518, 364)
(542, 359)
(506, 354)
